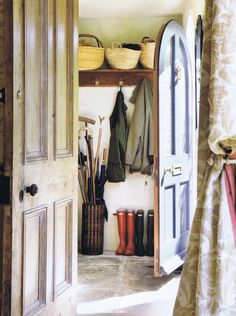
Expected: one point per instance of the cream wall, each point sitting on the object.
(124, 29)
(137, 191)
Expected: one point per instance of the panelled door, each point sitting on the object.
(44, 254)
(174, 154)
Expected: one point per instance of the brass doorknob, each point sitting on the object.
(32, 190)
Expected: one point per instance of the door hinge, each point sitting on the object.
(2, 95)
(4, 190)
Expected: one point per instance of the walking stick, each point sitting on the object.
(99, 142)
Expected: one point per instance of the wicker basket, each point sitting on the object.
(122, 58)
(92, 229)
(147, 53)
(91, 57)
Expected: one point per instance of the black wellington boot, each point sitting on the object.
(139, 247)
(150, 234)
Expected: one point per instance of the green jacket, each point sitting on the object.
(118, 141)
(140, 145)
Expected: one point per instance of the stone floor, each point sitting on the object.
(120, 285)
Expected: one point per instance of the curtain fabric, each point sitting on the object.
(208, 280)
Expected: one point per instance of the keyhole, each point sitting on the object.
(21, 195)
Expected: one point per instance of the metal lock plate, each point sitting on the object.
(176, 170)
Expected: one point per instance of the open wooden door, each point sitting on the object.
(173, 155)
(44, 181)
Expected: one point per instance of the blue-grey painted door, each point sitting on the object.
(175, 154)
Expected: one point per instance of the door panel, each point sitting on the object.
(62, 246)
(174, 155)
(45, 105)
(36, 102)
(166, 96)
(35, 260)
(64, 87)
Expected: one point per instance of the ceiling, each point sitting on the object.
(129, 8)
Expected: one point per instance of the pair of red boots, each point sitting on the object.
(126, 230)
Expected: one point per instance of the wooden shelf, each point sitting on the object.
(113, 77)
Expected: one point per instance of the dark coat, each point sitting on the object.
(118, 141)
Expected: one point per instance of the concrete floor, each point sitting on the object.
(120, 285)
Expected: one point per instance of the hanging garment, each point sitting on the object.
(208, 280)
(230, 184)
(118, 141)
(140, 148)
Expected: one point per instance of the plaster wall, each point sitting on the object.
(124, 29)
(137, 191)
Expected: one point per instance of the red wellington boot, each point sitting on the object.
(130, 249)
(121, 221)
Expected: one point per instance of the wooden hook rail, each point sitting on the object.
(113, 77)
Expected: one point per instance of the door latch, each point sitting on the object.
(174, 170)
(2, 95)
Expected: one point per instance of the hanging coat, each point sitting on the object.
(140, 145)
(118, 141)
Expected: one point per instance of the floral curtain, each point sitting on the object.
(208, 280)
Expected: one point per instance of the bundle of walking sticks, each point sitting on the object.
(131, 233)
(91, 175)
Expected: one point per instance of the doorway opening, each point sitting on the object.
(174, 164)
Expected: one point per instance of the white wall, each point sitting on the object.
(133, 193)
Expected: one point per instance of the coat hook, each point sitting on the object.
(97, 83)
(120, 83)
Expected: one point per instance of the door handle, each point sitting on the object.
(166, 170)
(177, 73)
(174, 170)
(32, 190)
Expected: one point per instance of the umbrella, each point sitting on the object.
(102, 181)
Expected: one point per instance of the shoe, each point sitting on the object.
(150, 234)
(130, 249)
(121, 222)
(139, 225)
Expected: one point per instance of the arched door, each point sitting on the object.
(173, 155)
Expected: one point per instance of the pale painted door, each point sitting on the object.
(174, 154)
(44, 254)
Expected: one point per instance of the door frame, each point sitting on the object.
(6, 64)
(7, 17)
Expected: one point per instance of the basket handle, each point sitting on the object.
(99, 43)
(116, 42)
